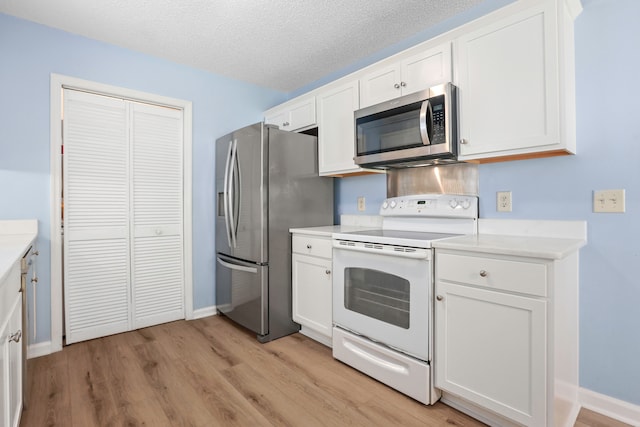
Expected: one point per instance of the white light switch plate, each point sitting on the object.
(608, 201)
(361, 204)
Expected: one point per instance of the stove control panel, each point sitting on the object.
(431, 205)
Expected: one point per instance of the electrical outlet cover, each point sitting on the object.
(503, 201)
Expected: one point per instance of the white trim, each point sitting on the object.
(611, 407)
(58, 82)
(39, 349)
(203, 312)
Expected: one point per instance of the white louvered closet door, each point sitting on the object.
(157, 201)
(96, 232)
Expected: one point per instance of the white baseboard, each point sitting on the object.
(613, 408)
(39, 349)
(204, 312)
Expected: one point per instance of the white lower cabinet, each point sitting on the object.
(11, 364)
(311, 282)
(498, 344)
(491, 350)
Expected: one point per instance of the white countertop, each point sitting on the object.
(526, 246)
(328, 230)
(15, 239)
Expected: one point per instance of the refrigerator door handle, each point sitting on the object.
(253, 270)
(225, 198)
(231, 194)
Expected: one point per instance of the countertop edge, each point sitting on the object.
(16, 247)
(540, 247)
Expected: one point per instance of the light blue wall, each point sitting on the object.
(29, 53)
(607, 63)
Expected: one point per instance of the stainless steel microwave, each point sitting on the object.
(414, 130)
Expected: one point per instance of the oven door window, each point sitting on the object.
(378, 295)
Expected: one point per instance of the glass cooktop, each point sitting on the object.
(418, 239)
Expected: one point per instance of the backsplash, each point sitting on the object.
(456, 178)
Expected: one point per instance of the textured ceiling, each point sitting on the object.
(280, 44)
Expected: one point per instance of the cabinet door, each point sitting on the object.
(490, 350)
(336, 131)
(508, 81)
(11, 365)
(426, 69)
(157, 276)
(96, 216)
(294, 116)
(413, 74)
(4, 371)
(311, 279)
(278, 118)
(380, 85)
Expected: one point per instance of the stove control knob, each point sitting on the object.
(393, 204)
(385, 205)
(465, 204)
(453, 203)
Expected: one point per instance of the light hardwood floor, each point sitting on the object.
(210, 372)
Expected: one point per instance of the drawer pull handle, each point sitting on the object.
(483, 273)
(327, 271)
(308, 246)
(439, 297)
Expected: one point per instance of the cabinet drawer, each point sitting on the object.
(509, 275)
(314, 246)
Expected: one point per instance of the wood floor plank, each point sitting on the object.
(92, 403)
(211, 372)
(49, 402)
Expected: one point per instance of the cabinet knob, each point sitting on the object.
(34, 280)
(483, 273)
(397, 86)
(439, 297)
(327, 271)
(403, 84)
(463, 141)
(285, 124)
(16, 336)
(158, 232)
(308, 246)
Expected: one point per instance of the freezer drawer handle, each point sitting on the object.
(237, 267)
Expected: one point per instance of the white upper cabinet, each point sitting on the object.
(411, 74)
(336, 134)
(516, 83)
(292, 116)
(515, 73)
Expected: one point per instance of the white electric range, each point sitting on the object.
(383, 289)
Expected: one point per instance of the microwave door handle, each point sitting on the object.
(225, 197)
(426, 114)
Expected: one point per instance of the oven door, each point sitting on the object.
(385, 296)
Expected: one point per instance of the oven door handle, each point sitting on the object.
(398, 251)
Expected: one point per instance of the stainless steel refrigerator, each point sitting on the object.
(266, 183)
